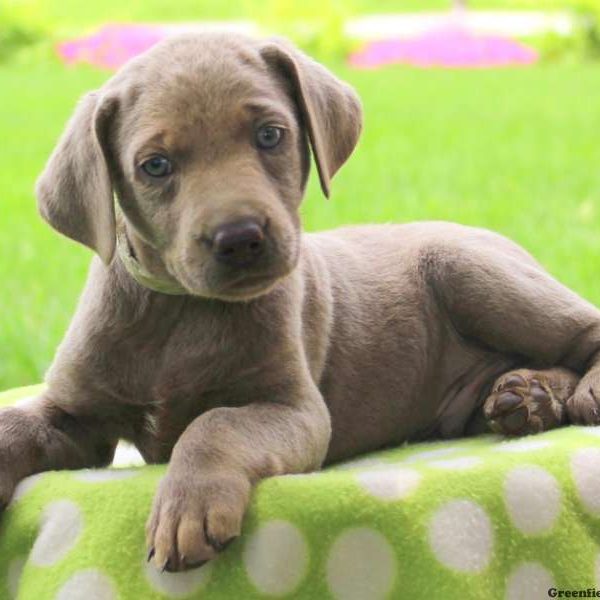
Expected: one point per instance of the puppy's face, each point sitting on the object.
(205, 141)
(211, 168)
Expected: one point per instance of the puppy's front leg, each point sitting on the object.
(41, 436)
(201, 502)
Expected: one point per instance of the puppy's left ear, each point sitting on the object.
(329, 108)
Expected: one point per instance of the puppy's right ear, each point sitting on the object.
(330, 109)
(74, 192)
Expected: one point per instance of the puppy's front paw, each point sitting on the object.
(194, 518)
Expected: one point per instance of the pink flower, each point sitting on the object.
(112, 45)
(451, 47)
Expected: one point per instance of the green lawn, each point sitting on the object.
(513, 150)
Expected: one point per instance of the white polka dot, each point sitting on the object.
(458, 464)
(585, 465)
(461, 537)
(276, 557)
(88, 585)
(26, 485)
(532, 498)
(178, 585)
(432, 454)
(530, 581)
(104, 475)
(523, 445)
(361, 463)
(389, 484)
(591, 430)
(361, 565)
(127, 455)
(15, 570)
(299, 475)
(61, 526)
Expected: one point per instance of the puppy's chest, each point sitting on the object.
(183, 359)
(189, 381)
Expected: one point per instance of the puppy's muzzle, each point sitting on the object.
(239, 244)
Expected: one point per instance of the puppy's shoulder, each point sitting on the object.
(420, 246)
(418, 236)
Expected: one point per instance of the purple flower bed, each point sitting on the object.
(112, 45)
(451, 46)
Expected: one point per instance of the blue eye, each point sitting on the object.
(157, 166)
(268, 137)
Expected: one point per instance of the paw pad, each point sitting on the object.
(524, 402)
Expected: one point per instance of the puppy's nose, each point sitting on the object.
(239, 244)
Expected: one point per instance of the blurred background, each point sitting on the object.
(485, 112)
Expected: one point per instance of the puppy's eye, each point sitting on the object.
(268, 137)
(157, 166)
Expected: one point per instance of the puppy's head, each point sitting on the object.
(204, 141)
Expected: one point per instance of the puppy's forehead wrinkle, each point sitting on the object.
(203, 99)
(216, 67)
(152, 141)
(204, 129)
(193, 93)
(260, 107)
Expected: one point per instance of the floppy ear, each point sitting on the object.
(74, 191)
(330, 108)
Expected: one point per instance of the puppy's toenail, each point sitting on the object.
(151, 554)
(220, 546)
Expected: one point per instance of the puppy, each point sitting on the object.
(216, 336)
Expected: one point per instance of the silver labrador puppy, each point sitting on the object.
(214, 335)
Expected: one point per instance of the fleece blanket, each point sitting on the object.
(481, 518)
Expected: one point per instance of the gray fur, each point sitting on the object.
(331, 345)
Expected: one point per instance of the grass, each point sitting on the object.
(513, 150)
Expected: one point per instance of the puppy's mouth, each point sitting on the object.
(249, 285)
(233, 287)
(250, 282)
(235, 283)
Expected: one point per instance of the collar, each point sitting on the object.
(139, 273)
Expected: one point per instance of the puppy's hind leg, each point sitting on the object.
(496, 295)
(583, 406)
(530, 401)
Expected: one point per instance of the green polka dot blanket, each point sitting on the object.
(481, 518)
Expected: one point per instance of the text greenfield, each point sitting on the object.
(588, 593)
